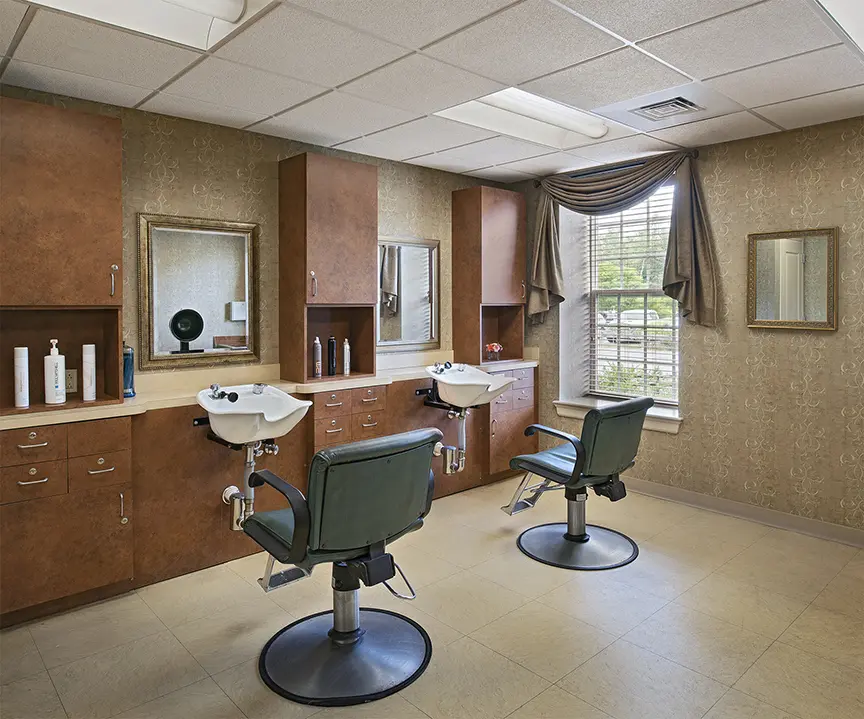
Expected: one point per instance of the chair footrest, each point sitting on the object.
(277, 580)
(518, 504)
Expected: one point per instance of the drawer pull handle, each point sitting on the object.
(500, 401)
(34, 481)
(100, 471)
(334, 404)
(32, 446)
(371, 424)
(368, 399)
(521, 398)
(123, 518)
(333, 431)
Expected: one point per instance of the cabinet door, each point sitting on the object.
(342, 231)
(59, 546)
(60, 212)
(507, 438)
(503, 243)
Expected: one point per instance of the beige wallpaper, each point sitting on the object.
(772, 418)
(179, 167)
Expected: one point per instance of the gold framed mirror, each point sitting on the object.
(792, 279)
(197, 292)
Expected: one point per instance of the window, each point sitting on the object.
(633, 326)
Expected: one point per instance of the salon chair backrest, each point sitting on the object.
(367, 492)
(611, 436)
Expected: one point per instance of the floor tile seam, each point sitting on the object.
(840, 665)
(730, 624)
(48, 672)
(36, 647)
(508, 659)
(769, 589)
(583, 699)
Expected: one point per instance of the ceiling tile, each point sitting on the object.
(524, 42)
(625, 149)
(832, 68)
(412, 24)
(448, 164)
(419, 137)
(295, 43)
(548, 164)
(68, 43)
(248, 88)
(616, 132)
(332, 119)
(421, 84)
(166, 104)
(814, 110)
(10, 17)
(754, 35)
(608, 79)
(494, 151)
(717, 129)
(638, 19)
(61, 82)
(501, 174)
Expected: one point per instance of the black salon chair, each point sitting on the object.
(361, 497)
(610, 441)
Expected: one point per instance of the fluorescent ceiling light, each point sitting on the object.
(195, 23)
(529, 117)
(849, 15)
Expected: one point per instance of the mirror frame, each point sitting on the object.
(388, 346)
(830, 322)
(147, 360)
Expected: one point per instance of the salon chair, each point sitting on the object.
(362, 496)
(609, 443)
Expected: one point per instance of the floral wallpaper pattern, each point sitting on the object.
(774, 418)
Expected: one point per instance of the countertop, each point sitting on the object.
(162, 398)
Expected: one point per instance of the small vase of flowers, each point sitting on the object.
(493, 351)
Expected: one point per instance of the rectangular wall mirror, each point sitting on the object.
(792, 279)
(197, 292)
(407, 294)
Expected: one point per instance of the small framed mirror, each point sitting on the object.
(792, 279)
(408, 297)
(197, 291)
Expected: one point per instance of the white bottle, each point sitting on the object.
(88, 373)
(22, 377)
(55, 376)
(346, 357)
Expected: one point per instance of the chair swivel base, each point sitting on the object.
(303, 664)
(604, 548)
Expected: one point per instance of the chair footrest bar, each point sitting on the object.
(517, 504)
(276, 580)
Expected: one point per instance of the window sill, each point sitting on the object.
(659, 419)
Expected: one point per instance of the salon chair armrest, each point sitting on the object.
(532, 429)
(299, 507)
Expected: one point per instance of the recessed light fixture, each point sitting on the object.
(194, 23)
(529, 117)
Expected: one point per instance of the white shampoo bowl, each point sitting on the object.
(465, 386)
(253, 417)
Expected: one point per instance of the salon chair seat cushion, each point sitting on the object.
(274, 531)
(555, 464)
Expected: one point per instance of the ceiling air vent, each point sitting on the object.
(668, 108)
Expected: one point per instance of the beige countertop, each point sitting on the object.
(176, 389)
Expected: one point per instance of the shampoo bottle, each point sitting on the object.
(128, 371)
(22, 377)
(316, 357)
(55, 376)
(88, 372)
(346, 357)
(331, 356)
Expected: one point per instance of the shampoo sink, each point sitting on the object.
(462, 385)
(257, 413)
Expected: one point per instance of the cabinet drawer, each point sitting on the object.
(523, 398)
(367, 425)
(100, 470)
(31, 481)
(369, 399)
(332, 431)
(99, 436)
(524, 377)
(502, 403)
(332, 404)
(35, 444)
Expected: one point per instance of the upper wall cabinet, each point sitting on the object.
(60, 213)
(502, 244)
(328, 220)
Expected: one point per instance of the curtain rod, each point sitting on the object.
(613, 168)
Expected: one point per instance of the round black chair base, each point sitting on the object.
(605, 548)
(303, 664)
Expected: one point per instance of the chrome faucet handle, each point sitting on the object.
(214, 390)
(258, 388)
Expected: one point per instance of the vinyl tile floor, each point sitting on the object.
(718, 618)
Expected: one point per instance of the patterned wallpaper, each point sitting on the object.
(173, 166)
(774, 418)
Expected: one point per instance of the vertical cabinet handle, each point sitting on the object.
(114, 269)
(523, 289)
(314, 284)
(123, 518)
(494, 423)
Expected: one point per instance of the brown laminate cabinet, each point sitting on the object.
(61, 239)
(507, 418)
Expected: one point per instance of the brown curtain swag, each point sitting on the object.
(689, 274)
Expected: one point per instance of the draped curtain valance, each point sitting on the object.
(688, 276)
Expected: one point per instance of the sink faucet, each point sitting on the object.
(258, 388)
(216, 392)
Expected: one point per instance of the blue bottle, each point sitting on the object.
(128, 371)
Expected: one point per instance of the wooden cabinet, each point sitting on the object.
(488, 226)
(60, 212)
(348, 415)
(508, 416)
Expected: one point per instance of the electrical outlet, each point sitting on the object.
(71, 380)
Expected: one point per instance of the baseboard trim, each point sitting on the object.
(771, 517)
